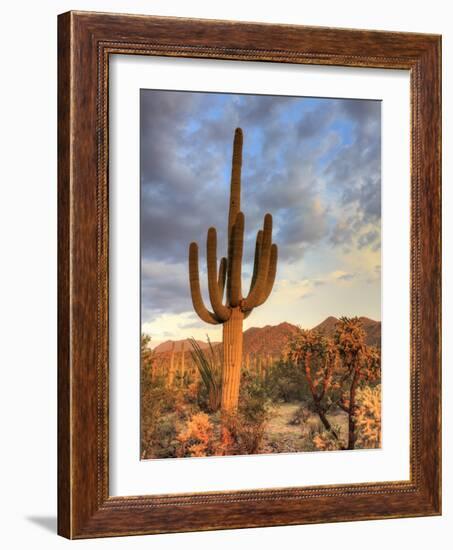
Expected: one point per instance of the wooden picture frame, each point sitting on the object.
(85, 42)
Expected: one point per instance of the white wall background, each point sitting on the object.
(28, 269)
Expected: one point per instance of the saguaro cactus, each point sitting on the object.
(182, 365)
(225, 281)
(247, 362)
(171, 368)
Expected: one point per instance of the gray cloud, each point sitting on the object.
(346, 277)
(165, 288)
(294, 167)
(370, 238)
(355, 175)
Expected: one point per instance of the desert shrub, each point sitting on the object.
(255, 401)
(321, 439)
(197, 438)
(286, 382)
(164, 443)
(325, 441)
(192, 392)
(159, 404)
(244, 437)
(300, 416)
(155, 402)
(246, 429)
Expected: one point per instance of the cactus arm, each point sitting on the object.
(259, 240)
(234, 287)
(235, 186)
(222, 276)
(195, 290)
(269, 281)
(270, 275)
(254, 296)
(221, 312)
(256, 263)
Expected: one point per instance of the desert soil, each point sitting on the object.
(282, 436)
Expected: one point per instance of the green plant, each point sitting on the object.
(236, 308)
(155, 402)
(285, 381)
(209, 365)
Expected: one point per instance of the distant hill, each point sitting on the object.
(268, 340)
(271, 340)
(165, 347)
(327, 327)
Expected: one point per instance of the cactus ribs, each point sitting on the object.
(224, 281)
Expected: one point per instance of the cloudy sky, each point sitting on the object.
(313, 163)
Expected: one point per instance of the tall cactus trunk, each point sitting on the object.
(232, 361)
(182, 370)
(171, 370)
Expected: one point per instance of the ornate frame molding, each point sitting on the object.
(86, 40)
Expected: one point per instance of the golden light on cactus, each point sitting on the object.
(362, 363)
(182, 366)
(225, 281)
(368, 417)
(171, 369)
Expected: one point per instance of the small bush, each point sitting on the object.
(286, 382)
(245, 430)
(161, 409)
(197, 439)
(165, 443)
(300, 416)
(324, 441)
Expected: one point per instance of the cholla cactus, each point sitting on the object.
(318, 356)
(224, 281)
(368, 417)
(361, 362)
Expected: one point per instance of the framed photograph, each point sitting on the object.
(249, 275)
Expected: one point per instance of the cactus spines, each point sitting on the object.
(229, 306)
(195, 290)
